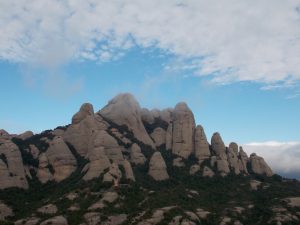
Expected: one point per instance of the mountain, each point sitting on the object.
(128, 165)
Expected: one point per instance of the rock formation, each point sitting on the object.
(201, 144)
(125, 110)
(259, 166)
(61, 159)
(158, 167)
(12, 172)
(183, 130)
(103, 143)
(136, 156)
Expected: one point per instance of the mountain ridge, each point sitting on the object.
(123, 144)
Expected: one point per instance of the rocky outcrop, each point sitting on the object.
(194, 169)
(43, 173)
(243, 160)
(158, 167)
(233, 159)
(98, 163)
(207, 172)
(48, 209)
(169, 137)
(25, 135)
(85, 110)
(110, 145)
(5, 211)
(183, 131)
(219, 149)
(61, 159)
(113, 175)
(58, 220)
(159, 136)
(125, 110)
(136, 156)
(201, 144)
(259, 166)
(12, 172)
(178, 162)
(81, 132)
(128, 170)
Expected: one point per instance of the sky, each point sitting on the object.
(235, 63)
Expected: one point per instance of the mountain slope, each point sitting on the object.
(127, 165)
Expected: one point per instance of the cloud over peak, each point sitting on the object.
(232, 40)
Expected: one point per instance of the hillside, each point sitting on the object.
(128, 165)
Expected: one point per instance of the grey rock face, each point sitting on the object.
(85, 110)
(136, 156)
(201, 144)
(113, 175)
(110, 145)
(183, 131)
(12, 172)
(243, 160)
(158, 167)
(159, 136)
(218, 146)
(61, 159)
(128, 170)
(259, 166)
(43, 173)
(98, 163)
(125, 110)
(81, 133)
(233, 159)
(169, 137)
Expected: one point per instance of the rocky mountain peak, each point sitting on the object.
(120, 145)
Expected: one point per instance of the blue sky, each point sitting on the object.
(239, 72)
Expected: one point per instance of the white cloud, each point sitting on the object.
(235, 40)
(283, 157)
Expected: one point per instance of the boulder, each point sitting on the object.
(147, 116)
(5, 211)
(159, 136)
(61, 159)
(43, 173)
(58, 220)
(207, 172)
(48, 209)
(194, 169)
(259, 166)
(92, 218)
(178, 162)
(28, 221)
(222, 167)
(201, 144)
(116, 219)
(183, 131)
(136, 156)
(158, 167)
(12, 171)
(125, 110)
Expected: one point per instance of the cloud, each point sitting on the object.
(283, 157)
(229, 40)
